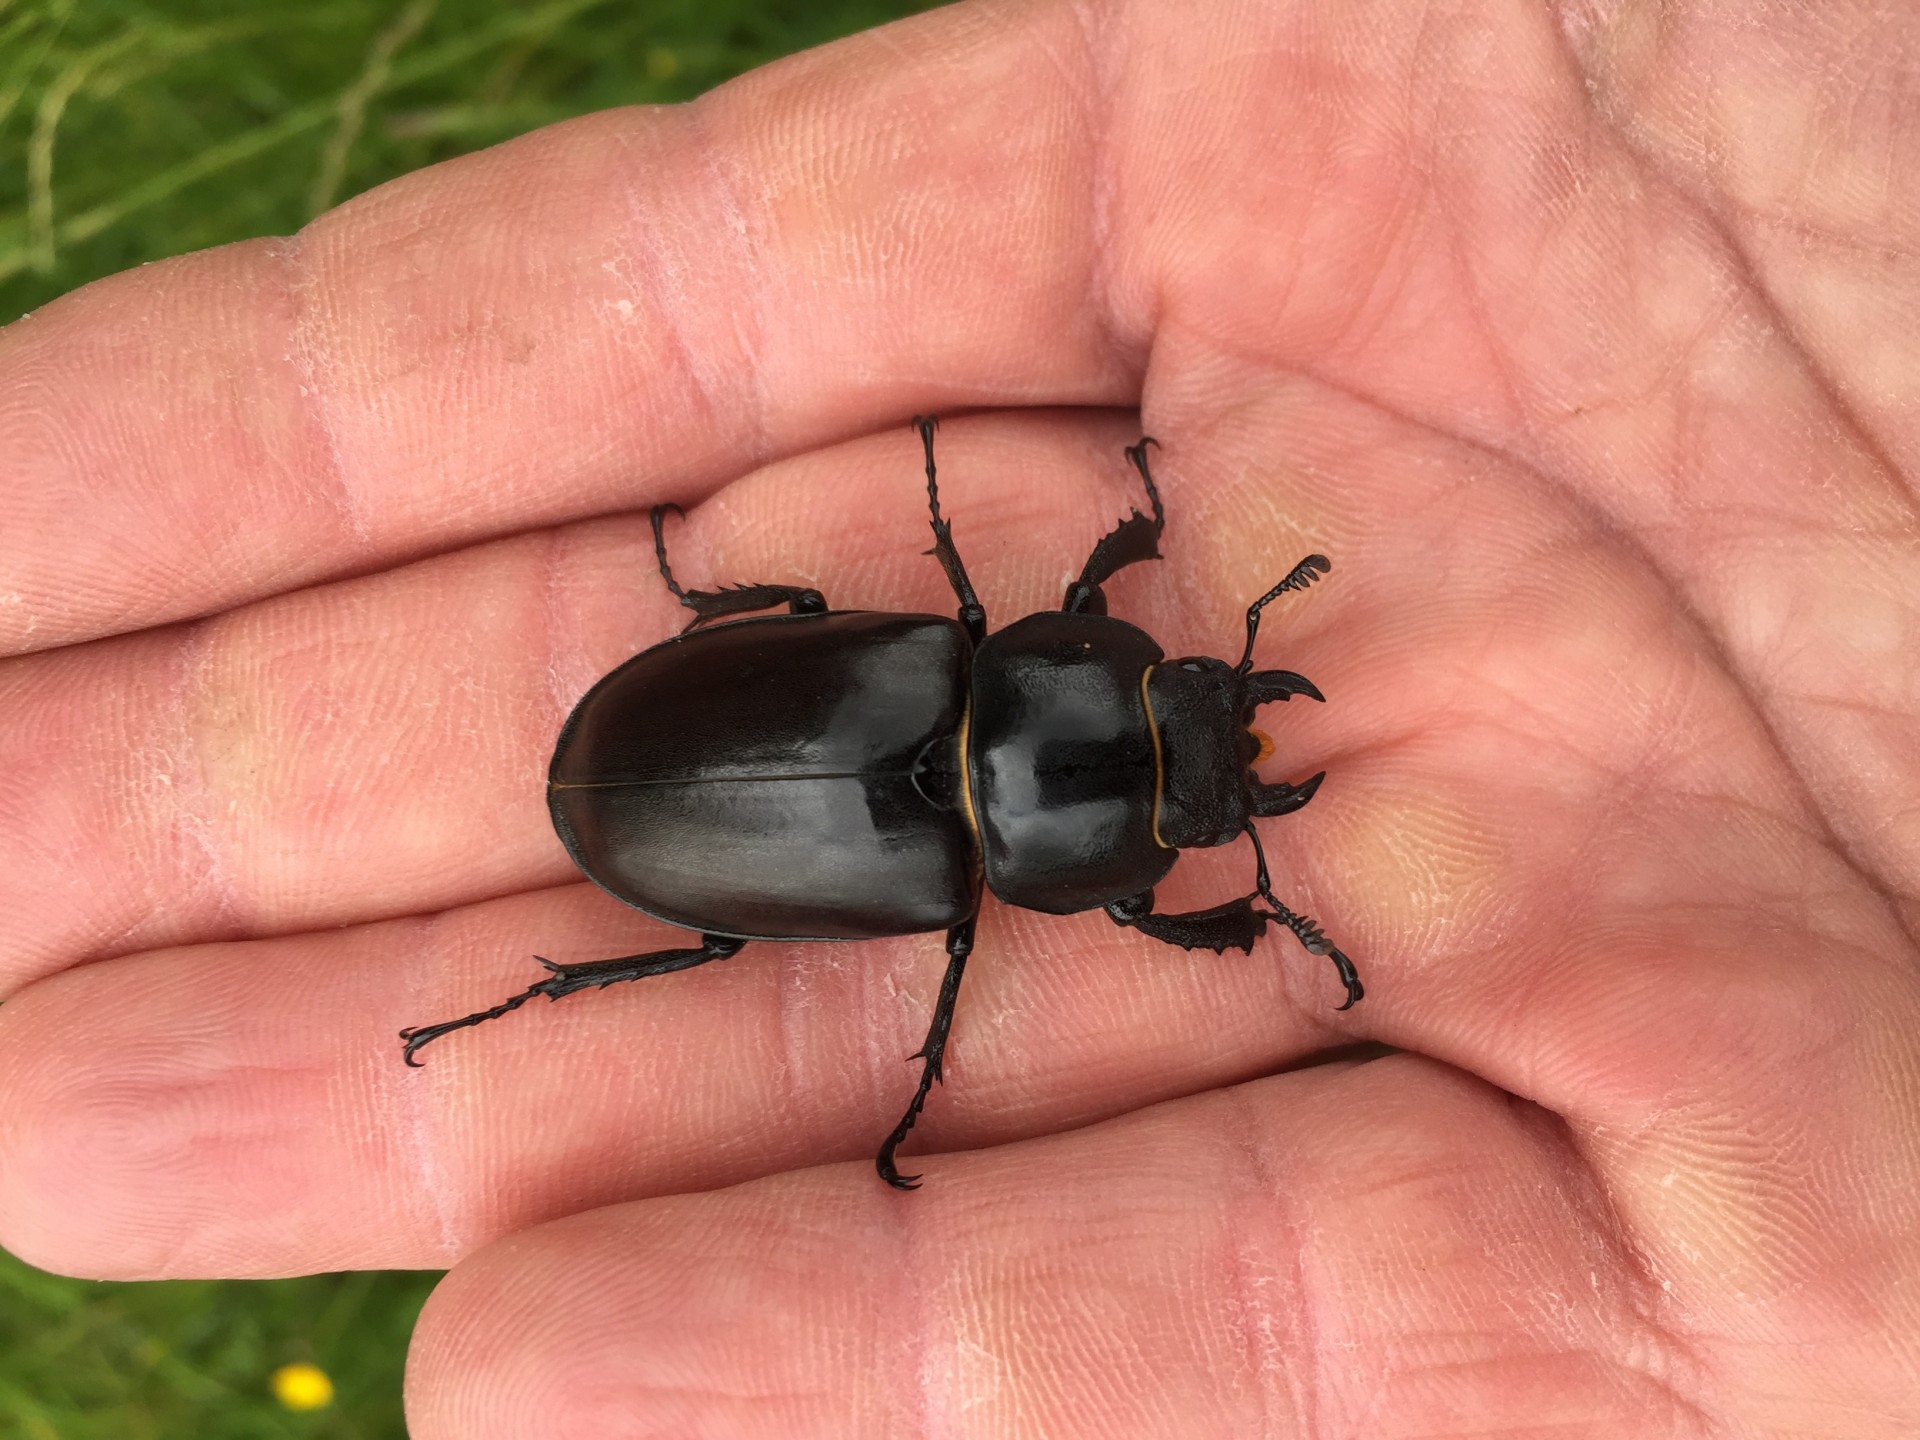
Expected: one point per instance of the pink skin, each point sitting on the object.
(1585, 342)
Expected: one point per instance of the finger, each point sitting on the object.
(378, 747)
(1350, 1250)
(626, 308)
(242, 1109)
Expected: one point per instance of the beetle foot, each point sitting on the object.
(1349, 977)
(421, 1035)
(1314, 940)
(883, 1162)
(893, 1177)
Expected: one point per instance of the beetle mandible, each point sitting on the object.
(851, 774)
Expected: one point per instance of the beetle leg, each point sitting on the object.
(1305, 930)
(972, 613)
(1134, 538)
(736, 600)
(660, 549)
(1234, 925)
(565, 979)
(1311, 936)
(959, 946)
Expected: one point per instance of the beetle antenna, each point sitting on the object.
(1305, 929)
(660, 551)
(1298, 578)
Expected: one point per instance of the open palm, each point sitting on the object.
(1584, 342)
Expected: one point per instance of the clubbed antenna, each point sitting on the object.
(1298, 578)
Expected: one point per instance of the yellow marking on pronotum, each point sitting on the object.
(1159, 761)
(966, 779)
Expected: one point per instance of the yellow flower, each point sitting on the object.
(302, 1387)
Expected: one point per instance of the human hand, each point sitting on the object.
(1584, 344)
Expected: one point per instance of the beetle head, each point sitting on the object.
(1203, 712)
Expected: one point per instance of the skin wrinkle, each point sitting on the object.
(725, 186)
(553, 566)
(1669, 1347)
(1815, 231)
(1825, 384)
(1523, 416)
(1101, 60)
(917, 1333)
(791, 1074)
(1712, 206)
(1646, 1291)
(1883, 885)
(291, 253)
(663, 290)
(1800, 919)
(1252, 1315)
(1384, 300)
(1665, 383)
(401, 1093)
(1497, 358)
(194, 803)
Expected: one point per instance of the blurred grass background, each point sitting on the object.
(130, 131)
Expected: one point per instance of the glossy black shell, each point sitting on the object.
(784, 778)
(1065, 762)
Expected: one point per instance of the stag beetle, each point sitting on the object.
(848, 774)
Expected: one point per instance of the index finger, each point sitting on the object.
(632, 306)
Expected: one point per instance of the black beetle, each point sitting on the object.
(848, 774)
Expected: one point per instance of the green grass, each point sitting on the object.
(130, 131)
(83, 1361)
